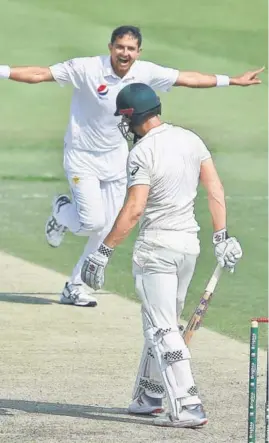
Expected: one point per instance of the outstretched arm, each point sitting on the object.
(198, 80)
(26, 74)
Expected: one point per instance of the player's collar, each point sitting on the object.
(108, 70)
(160, 128)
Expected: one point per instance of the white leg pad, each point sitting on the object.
(148, 378)
(170, 352)
(149, 374)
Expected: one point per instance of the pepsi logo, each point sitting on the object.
(102, 90)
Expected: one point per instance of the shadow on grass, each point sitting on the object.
(81, 411)
(91, 412)
(33, 298)
(27, 298)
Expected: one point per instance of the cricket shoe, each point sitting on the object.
(53, 230)
(189, 417)
(146, 405)
(76, 294)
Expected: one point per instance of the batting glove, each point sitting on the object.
(227, 249)
(93, 269)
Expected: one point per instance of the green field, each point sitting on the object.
(228, 37)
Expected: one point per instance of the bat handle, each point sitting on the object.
(214, 279)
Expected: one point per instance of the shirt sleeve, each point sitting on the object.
(71, 71)
(201, 153)
(162, 78)
(204, 153)
(138, 168)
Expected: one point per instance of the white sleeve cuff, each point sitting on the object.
(55, 74)
(139, 182)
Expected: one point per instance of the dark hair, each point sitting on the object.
(123, 30)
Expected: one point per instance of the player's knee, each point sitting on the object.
(169, 343)
(174, 348)
(89, 224)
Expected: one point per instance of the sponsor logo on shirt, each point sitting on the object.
(102, 90)
(134, 171)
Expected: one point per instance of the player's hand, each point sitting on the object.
(227, 250)
(93, 269)
(247, 79)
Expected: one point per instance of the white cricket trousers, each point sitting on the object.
(163, 266)
(97, 197)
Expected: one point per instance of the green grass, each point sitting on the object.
(230, 37)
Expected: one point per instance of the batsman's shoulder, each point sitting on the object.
(135, 151)
(138, 151)
(141, 146)
(191, 137)
(186, 132)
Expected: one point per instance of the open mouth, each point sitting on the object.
(123, 61)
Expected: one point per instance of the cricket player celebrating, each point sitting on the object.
(95, 152)
(164, 169)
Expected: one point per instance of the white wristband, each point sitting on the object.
(4, 71)
(223, 80)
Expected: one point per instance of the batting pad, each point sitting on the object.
(172, 359)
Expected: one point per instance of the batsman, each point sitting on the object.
(164, 169)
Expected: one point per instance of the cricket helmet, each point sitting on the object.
(136, 102)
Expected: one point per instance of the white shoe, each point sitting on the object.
(53, 230)
(76, 294)
(146, 405)
(188, 418)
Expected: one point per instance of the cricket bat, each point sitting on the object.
(199, 313)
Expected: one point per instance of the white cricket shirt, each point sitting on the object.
(92, 125)
(168, 159)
